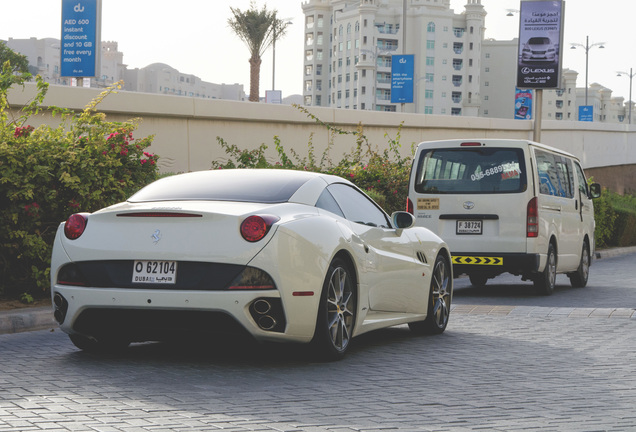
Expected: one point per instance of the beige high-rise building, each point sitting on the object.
(348, 48)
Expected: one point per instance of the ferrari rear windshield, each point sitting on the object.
(244, 185)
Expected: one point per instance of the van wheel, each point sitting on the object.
(545, 281)
(478, 280)
(578, 279)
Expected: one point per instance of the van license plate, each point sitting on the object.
(155, 272)
(469, 227)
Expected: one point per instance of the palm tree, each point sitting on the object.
(258, 29)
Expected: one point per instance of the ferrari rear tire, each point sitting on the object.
(439, 300)
(337, 312)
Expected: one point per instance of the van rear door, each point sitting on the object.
(473, 194)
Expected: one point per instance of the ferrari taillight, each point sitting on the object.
(75, 225)
(255, 227)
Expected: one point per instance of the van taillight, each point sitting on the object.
(533, 218)
(470, 144)
(409, 206)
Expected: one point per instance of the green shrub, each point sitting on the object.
(48, 173)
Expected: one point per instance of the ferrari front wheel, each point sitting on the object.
(337, 311)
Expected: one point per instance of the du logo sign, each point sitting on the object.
(81, 45)
(402, 71)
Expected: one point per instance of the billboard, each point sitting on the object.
(81, 44)
(586, 113)
(523, 104)
(540, 39)
(402, 71)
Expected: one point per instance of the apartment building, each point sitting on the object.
(44, 59)
(348, 48)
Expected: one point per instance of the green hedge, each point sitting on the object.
(48, 173)
(384, 175)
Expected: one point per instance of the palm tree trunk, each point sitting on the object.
(255, 76)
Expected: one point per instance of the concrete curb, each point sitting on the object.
(41, 318)
(28, 319)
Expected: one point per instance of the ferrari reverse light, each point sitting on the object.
(255, 227)
(75, 225)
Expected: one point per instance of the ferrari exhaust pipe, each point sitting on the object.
(262, 306)
(266, 322)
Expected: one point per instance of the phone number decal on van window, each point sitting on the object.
(507, 171)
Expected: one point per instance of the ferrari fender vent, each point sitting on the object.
(421, 257)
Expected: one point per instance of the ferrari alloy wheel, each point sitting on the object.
(337, 312)
(439, 300)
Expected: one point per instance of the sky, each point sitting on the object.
(193, 36)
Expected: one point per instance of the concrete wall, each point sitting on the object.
(186, 128)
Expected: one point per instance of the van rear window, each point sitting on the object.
(476, 170)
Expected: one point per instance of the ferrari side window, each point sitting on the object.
(327, 202)
(357, 207)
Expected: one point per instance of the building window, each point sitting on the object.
(318, 85)
(308, 86)
(430, 61)
(470, 62)
(458, 47)
(348, 77)
(430, 27)
(319, 55)
(309, 39)
(320, 21)
(430, 77)
(456, 111)
(309, 70)
(319, 38)
(307, 100)
(318, 100)
(428, 110)
(458, 32)
(428, 94)
(309, 55)
(319, 69)
(457, 97)
(310, 21)
(430, 44)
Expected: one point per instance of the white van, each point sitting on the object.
(511, 206)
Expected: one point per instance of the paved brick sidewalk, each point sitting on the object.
(488, 372)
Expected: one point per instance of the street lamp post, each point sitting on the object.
(587, 47)
(630, 75)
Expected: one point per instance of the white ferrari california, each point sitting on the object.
(283, 255)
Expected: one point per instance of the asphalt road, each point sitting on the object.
(518, 362)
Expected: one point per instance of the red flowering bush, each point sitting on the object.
(48, 173)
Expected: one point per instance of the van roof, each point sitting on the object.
(493, 142)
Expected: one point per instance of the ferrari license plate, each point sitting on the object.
(469, 227)
(155, 272)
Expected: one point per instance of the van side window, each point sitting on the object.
(583, 188)
(556, 176)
